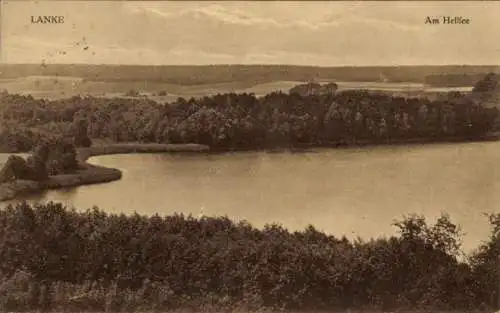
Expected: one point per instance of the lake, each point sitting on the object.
(356, 192)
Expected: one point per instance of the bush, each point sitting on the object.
(93, 260)
(18, 292)
(48, 158)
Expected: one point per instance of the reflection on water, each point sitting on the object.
(342, 191)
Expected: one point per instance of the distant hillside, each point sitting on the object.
(455, 80)
(257, 74)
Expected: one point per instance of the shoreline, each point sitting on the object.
(124, 148)
(89, 174)
(365, 144)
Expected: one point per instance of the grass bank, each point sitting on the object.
(88, 173)
(122, 148)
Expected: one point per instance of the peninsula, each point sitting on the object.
(87, 173)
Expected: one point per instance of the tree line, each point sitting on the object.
(251, 74)
(48, 158)
(244, 121)
(55, 258)
(454, 80)
(52, 153)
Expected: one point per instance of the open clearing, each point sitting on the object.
(58, 87)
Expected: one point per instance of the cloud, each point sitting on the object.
(214, 12)
(219, 29)
(234, 16)
(23, 47)
(231, 16)
(250, 32)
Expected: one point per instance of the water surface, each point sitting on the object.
(357, 192)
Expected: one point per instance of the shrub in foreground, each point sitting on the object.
(57, 258)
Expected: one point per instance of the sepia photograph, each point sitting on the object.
(249, 156)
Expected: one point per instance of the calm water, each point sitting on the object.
(342, 191)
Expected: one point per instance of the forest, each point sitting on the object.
(453, 80)
(243, 121)
(61, 259)
(251, 74)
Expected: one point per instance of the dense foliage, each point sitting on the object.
(57, 156)
(17, 167)
(57, 258)
(243, 121)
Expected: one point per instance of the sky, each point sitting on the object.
(299, 33)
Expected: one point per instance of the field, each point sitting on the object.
(53, 87)
(58, 87)
(55, 81)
